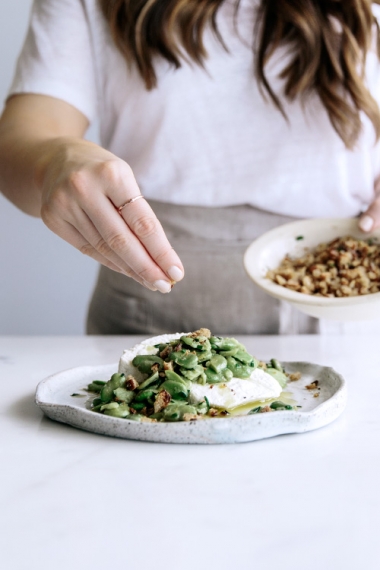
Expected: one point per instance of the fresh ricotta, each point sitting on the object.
(146, 347)
(259, 386)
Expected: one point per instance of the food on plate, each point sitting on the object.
(344, 267)
(190, 376)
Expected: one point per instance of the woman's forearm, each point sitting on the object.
(33, 129)
(19, 157)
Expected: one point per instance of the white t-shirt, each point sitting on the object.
(204, 136)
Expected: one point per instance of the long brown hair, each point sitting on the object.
(328, 40)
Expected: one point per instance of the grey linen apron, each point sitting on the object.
(215, 293)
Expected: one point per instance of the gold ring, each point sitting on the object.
(129, 202)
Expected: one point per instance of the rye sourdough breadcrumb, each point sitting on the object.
(344, 267)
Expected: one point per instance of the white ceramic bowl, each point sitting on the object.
(268, 251)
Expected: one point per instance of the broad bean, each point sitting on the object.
(193, 342)
(231, 352)
(177, 389)
(228, 374)
(95, 386)
(110, 406)
(96, 404)
(135, 417)
(107, 392)
(203, 407)
(149, 381)
(246, 358)
(144, 362)
(275, 364)
(185, 359)
(204, 356)
(146, 396)
(122, 411)
(224, 343)
(171, 375)
(218, 363)
(213, 377)
(175, 411)
(124, 395)
(255, 410)
(138, 406)
(172, 413)
(238, 369)
(280, 406)
(279, 376)
(196, 375)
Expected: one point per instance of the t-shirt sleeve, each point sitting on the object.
(57, 56)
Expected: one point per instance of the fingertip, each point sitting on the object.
(162, 286)
(175, 273)
(366, 223)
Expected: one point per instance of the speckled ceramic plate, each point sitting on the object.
(54, 397)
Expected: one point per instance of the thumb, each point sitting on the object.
(370, 220)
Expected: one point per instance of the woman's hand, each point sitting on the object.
(370, 219)
(82, 186)
(47, 169)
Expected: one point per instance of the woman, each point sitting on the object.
(229, 117)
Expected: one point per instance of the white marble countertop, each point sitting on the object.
(76, 500)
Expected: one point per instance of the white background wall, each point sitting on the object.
(45, 284)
